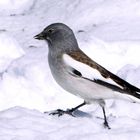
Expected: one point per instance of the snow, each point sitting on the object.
(108, 31)
(12, 7)
(10, 50)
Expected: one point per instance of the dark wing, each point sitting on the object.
(121, 85)
(126, 86)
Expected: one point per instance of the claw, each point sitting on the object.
(60, 112)
(106, 125)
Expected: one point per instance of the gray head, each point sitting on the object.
(59, 37)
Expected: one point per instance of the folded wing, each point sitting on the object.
(82, 66)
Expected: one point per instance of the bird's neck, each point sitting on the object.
(63, 46)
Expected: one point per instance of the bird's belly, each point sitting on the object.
(83, 88)
(88, 90)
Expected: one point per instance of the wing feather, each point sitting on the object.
(92, 71)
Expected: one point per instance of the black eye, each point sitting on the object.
(50, 31)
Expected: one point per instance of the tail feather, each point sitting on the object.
(127, 87)
(134, 91)
(137, 94)
(135, 98)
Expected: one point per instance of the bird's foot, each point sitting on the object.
(61, 112)
(106, 125)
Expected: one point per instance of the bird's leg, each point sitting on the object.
(60, 112)
(105, 119)
(102, 104)
(75, 108)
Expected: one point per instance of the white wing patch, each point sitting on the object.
(85, 70)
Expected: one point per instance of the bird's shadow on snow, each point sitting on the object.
(79, 113)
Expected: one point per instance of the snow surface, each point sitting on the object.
(9, 50)
(108, 31)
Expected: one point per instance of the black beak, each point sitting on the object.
(40, 36)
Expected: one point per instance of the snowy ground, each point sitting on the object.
(108, 31)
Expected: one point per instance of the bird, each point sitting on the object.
(78, 74)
